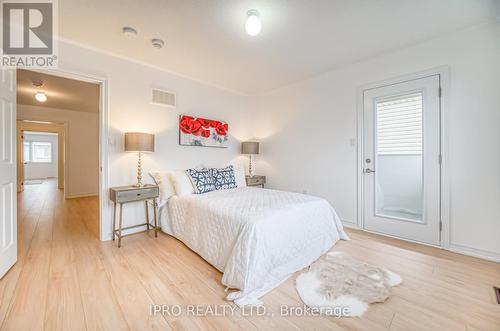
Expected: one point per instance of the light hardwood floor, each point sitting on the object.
(65, 279)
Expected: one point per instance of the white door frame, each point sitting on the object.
(444, 77)
(103, 136)
(62, 132)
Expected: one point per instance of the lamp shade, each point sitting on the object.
(139, 142)
(250, 147)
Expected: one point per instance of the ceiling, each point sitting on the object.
(205, 39)
(62, 93)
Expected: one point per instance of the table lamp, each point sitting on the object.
(251, 148)
(141, 143)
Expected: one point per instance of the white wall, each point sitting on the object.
(82, 145)
(41, 170)
(130, 109)
(306, 131)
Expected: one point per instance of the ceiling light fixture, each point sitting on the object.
(39, 95)
(253, 24)
(157, 43)
(129, 31)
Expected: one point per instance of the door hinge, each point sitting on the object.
(440, 226)
(440, 159)
(440, 92)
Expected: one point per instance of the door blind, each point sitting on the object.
(399, 124)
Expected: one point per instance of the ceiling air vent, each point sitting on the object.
(163, 98)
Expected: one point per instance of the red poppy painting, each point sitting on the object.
(196, 131)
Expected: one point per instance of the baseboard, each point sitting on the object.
(350, 225)
(475, 252)
(456, 248)
(85, 195)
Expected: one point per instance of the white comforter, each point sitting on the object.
(256, 237)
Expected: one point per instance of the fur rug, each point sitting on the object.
(338, 280)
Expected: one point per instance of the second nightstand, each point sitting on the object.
(256, 180)
(126, 194)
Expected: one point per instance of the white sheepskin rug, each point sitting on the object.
(338, 281)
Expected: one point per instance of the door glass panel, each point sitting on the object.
(399, 156)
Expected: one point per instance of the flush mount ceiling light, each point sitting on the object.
(39, 95)
(129, 31)
(253, 24)
(157, 43)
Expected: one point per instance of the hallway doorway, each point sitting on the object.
(58, 128)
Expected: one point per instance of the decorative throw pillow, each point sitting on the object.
(224, 178)
(182, 183)
(164, 182)
(202, 179)
(239, 176)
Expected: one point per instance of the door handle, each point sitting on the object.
(368, 171)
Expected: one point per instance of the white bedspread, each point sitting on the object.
(256, 237)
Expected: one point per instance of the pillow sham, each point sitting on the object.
(164, 182)
(239, 177)
(182, 183)
(202, 180)
(224, 178)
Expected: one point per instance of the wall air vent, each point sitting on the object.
(163, 98)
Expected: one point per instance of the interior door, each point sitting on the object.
(401, 124)
(8, 205)
(20, 159)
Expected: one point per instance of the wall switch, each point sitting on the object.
(352, 142)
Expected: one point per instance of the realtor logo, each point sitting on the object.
(28, 33)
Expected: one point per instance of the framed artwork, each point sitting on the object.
(197, 131)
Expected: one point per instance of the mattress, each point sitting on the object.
(256, 237)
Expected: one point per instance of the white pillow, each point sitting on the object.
(182, 183)
(164, 181)
(239, 176)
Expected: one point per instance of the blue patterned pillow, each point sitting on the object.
(202, 180)
(224, 178)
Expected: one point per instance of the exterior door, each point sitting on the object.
(8, 205)
(401, 171)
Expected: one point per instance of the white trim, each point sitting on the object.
(103, 139)
(350, 225)
(402, 239)
(444, 76)
(475, 252)
(65, 135)
(84, 195)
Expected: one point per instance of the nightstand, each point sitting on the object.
(256, 180)
(126, 194)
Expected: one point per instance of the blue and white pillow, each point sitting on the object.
(202, 179)
(224, 178)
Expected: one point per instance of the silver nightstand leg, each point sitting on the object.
(154, 212)
(147, 215)
(114, 219)
(120, 226)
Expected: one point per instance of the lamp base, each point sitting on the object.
(139, 172)
(250, 165)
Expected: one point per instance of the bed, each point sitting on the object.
(256, 237)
